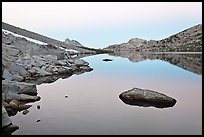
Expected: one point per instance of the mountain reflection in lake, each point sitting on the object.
(191, 62)
(92, 105)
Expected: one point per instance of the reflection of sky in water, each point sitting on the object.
(93, 105)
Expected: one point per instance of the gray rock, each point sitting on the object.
(40, 63)
(25, 112)
(7, 75)
(80, 62)
(67, 68)
(86, 69)
(23, 107)
(10, 95)
(61, 63)
(9, 86)
(5, 104)
(62, 71)
(17, 78)
(70, 61)
(66, 56)
(54, 69)
(32, 71)
(43, 67)
(42, 72)
(28, 98)
(50, 58)
(27, 88)
(14, 103)
(147, 98)
(18, 68)
(5, 118)
(18, 87)
(3, 97)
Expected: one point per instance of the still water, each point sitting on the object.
(93, 105)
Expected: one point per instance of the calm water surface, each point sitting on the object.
(93, 105)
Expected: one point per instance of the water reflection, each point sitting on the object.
(14, 110)
(143, 103)
(190, 62)
(53, 78)
(92, 105)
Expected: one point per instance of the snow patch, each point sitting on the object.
(29, 39)
(69, 50)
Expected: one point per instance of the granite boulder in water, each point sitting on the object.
(147, 98)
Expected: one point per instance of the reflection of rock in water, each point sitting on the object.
(190, 62)
(146, 98)
(53, 78)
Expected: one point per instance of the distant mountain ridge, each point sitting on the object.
(73, 42)
(188, 40)
(50, 41)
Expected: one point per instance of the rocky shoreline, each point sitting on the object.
(26, 64)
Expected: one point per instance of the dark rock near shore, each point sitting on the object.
(107, 60)
(5, 118)
(25, 112)
(38, 106)
(147, 98)
(8, 130)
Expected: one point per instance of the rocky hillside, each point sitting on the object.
(74, 45)
(189, 40)
(73, 42)
(26, 64)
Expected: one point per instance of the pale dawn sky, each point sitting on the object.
(99, 24)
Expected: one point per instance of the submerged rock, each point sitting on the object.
(147, 98)
(80, 62)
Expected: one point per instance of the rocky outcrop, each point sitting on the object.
(73, 42)
(25, 64)
(147, 98)
(49, 41)
(23, 60)
(189, 40)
